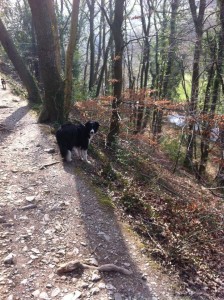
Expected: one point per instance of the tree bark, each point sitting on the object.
(198, 23)
(220, 68)
(69, 57)
(91, 5)
(116, 28)
(49, 56)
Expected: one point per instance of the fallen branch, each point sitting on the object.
(49, 164)
(77, 265)
(30, 206)
(3, 127)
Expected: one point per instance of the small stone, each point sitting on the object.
(30, 198)
(55, 292)
(72, 296)
(43, 295)
(95, 277)
(109, 286)
(95, 291)
(35, 250)
(9, 259)
(24, 281)
(83, 244)
(49, 150)
(36, 293)
(102, 285)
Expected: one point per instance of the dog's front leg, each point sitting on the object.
(84, 156)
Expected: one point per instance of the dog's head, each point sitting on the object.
(92, 127)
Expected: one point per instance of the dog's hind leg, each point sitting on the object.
(78, 152)
(68, 156)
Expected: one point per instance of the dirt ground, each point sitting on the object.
(49, 215)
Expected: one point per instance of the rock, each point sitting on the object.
(24, 281)
(35, 250)
(2, 219)
(30, 198)
(95, 277)
(72, 296)
(55, 292)
(95, 291)
(92, 261)
(102, 285)
(36, 293)
(43, 295)
(9, 259)
(109, 286)
(50, 150)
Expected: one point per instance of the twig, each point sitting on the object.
(49, 164)
(77, 265)
(30, 206)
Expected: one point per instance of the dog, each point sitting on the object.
(70, 136)
(3, 83)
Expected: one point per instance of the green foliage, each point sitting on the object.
(180, 90)
(79, 91)
(131, 202)
(103, 198)
(108, 172)
(171, 146)
(123, 156)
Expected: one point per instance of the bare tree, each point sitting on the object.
(198, 19)
(116, 28)
(69, 57)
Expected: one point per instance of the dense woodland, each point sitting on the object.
(136, 66)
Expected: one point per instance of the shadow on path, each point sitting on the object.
(107, 243)
(8, 124)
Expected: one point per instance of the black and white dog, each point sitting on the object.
(70, 136)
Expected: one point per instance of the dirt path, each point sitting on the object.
(49, 216)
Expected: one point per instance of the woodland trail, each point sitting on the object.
(50, 215)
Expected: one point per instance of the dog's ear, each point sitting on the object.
(87, 124)
(97, 125)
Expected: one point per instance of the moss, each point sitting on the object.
(104, 199)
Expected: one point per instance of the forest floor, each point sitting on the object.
(49, 215)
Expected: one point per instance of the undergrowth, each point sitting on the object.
(179, 222)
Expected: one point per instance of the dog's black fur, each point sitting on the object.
(70, 136)
(3, 83)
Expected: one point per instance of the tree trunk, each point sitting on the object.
(91, 5)
(167, 85)
(117, 69)
(49, 56)
(198, 23)
(24, 74)
(69, 57)
(220, 68)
